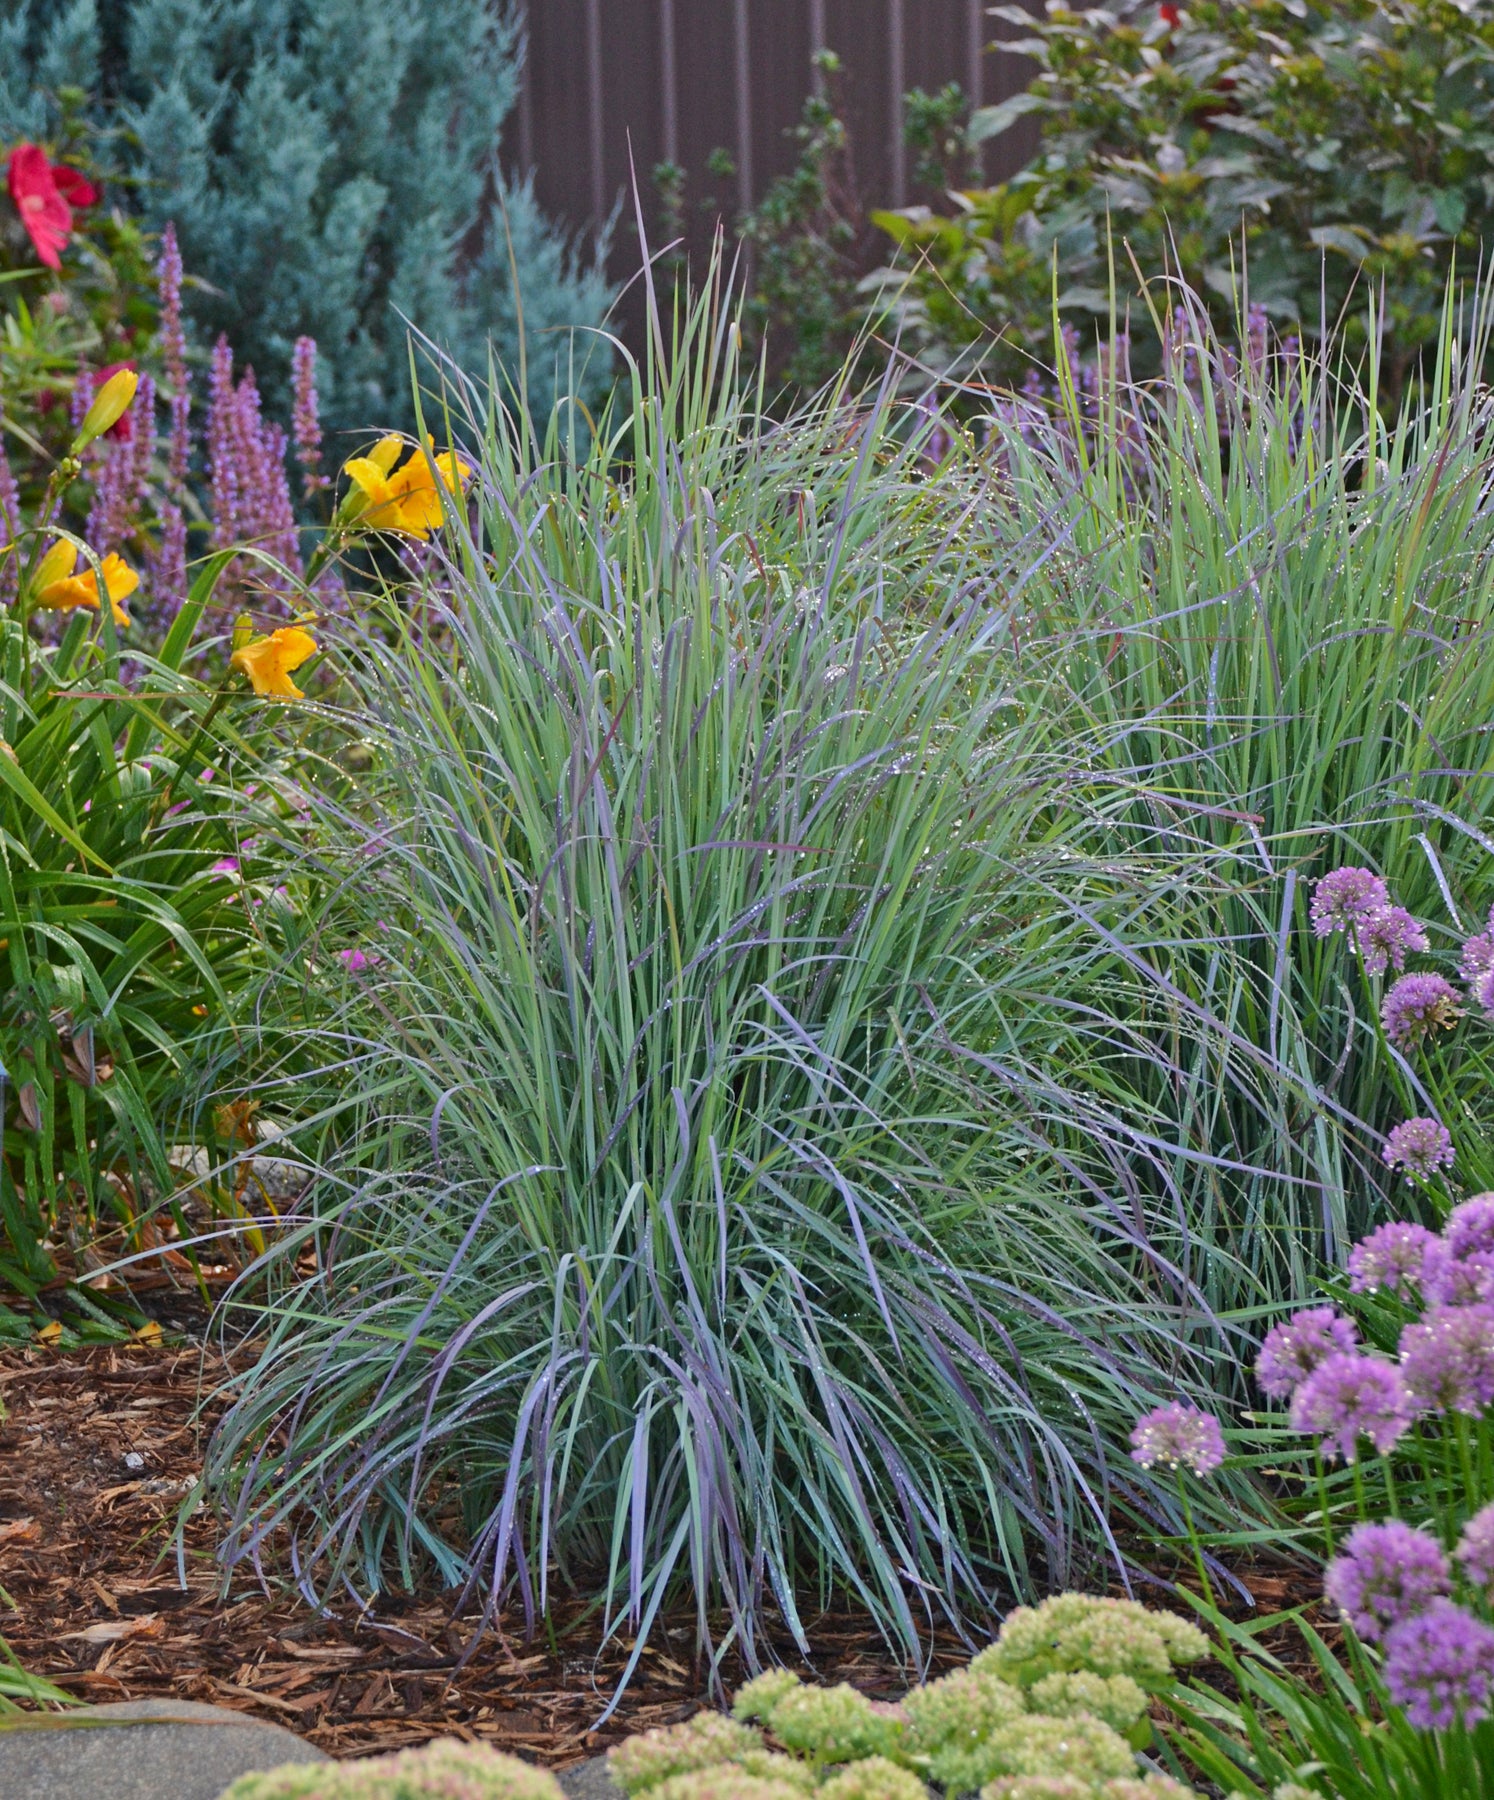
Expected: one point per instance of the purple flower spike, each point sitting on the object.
(1387, 937)
(1475, 1551)
(306, 424)
(1419, 1147)
(1439, 1666)
(1179, 1436)
(1345, 899)
(1350, 1397)
(1416, 1005)
(1391, 1256)
(1447, 1359)
(1386, 1573)
(1292, 1350)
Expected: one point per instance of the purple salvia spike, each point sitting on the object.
(10, 523)
(306, 421)
(174, 351)
(169, 569)
(223, 469)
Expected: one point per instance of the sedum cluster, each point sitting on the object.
(443, 1770)
(1055, 1709)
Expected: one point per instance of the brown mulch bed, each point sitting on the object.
(100, 1451)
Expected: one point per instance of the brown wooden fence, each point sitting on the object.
(613, 85)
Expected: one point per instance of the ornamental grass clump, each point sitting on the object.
(717, 1137)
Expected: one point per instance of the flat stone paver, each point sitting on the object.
(188, 1761)
(588, 1781)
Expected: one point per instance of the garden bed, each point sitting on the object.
(87, 1555)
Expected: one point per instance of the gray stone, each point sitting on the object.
(192, 1760)
(588, 1781)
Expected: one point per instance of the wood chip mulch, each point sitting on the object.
(101, 1449)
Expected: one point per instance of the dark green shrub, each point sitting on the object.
(1317, 144)
(329, 168)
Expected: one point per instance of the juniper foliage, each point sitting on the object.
(332, 171)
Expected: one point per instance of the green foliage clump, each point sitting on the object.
(1058, 1736)
(951, 1721)
(654, 1756)
(1343, 141)
(442, 1770)
(331, 172)
(1076, 1632)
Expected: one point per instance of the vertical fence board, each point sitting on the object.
(616, 85)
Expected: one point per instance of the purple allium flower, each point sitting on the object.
(1386, 1573)
(1458, 1280)
(1349, 1397)
(1419, 1146)
(1292, 1350)
(306, 425)
(1390, 1256)
(1345, 900)
(1416, 1005)
(1387, 937)
(1478, 953)
(1178, 1436)
(1469, 1230)
(1447, 1359)
(1439, 1666)
(1482, 991)
(1475, 1551)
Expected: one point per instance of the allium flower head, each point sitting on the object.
(1178, 1437)
(1439, 1666)
(1386, 1573)
(699, 1743)
(1475, 1551)
(1482, 991)
(1477, 956)
(1447, 1359)
(1458, 1280)
(1346, 898)
(1417, 1004)
(1390, 1257)
(1419, 1147)
(1291, 1350)
(1387, 937)
(1469, 1230)
(1349, 1397)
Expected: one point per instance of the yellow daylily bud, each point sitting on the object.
(109, 406)
(268, 661)
(59, 561)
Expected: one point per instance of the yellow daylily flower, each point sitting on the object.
(58, 589)
(268, 661)
(406, 499)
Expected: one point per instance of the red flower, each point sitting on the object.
(46, 215)
(75, 187)
(1168, 13)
